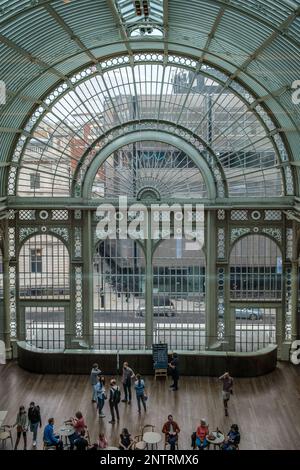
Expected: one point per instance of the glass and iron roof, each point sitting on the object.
(254, 43)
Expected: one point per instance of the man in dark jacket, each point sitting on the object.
(174, 368)
(34, 418)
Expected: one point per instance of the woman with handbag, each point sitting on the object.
(101, 395)
(22, 427)
(140, 392)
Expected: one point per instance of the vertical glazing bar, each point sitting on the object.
(149, 287)
(88, 327)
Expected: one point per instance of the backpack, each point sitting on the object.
(117, 395)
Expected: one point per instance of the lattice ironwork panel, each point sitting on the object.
(221, 305)
(78, 302)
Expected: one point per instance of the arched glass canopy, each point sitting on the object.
(77, 120)
(81, 34)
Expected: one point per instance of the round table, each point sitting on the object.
(110, 448)
(219, 439)
(152, 438)
(65, 432)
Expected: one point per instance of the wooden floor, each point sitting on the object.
(267, 408)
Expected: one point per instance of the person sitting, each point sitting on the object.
(171, 430)
(126, 440)
(233, 439)
(81, 442)
(201, 433)
(79, 425)
(49, 438)
(102, 442)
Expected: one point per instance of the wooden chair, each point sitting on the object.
(147, 428)
(5, 433)
(48, 446)
(138, 443)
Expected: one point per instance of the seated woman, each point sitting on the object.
(201, 433)
(126, 441)
(79, 425)
(233, 438)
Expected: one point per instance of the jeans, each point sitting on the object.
(94, 396)
(72, 439)
(140, 398)
(172, 441)
(127, 391)
(34, 429)
(101, 402)
(175, 378)
(201, 444)
(114, 408)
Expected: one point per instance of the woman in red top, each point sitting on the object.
(201, 433)
(79, 425)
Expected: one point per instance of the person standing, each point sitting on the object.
(127, 376)
(226, 390)
(114, 400)
(22, 427)
(34, 418)
(101, 395)
(94, 379)
(174, 367)
(140, 392)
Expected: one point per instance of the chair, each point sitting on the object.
(138, 443)
(87, 435)
(147, 428)
(167, 444)
(47, 446)
(5, 433)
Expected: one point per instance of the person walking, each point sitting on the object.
(101, 395)
(22, 427)
(34, 419)
(114, 400)
(127, 376)
(174, 367)
(94, 379)
(226, 390)
(139, 386)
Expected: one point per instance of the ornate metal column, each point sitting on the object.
(6, 290)
(294, 284)
(88, 328)
(211, 280)
(149, 285)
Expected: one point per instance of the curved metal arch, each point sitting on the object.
(72, 86)
(49, 233)
(142, 136)
(141, 123)
(194, 57)
(262, 234)
(268, 134)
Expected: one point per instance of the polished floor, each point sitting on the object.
(267, 408)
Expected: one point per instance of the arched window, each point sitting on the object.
(44, 287)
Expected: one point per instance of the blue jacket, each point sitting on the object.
(49, 437)
(139, 388)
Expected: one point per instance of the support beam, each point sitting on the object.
(88, 326)
(211, 281)
(149, 286)
(6, 289)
